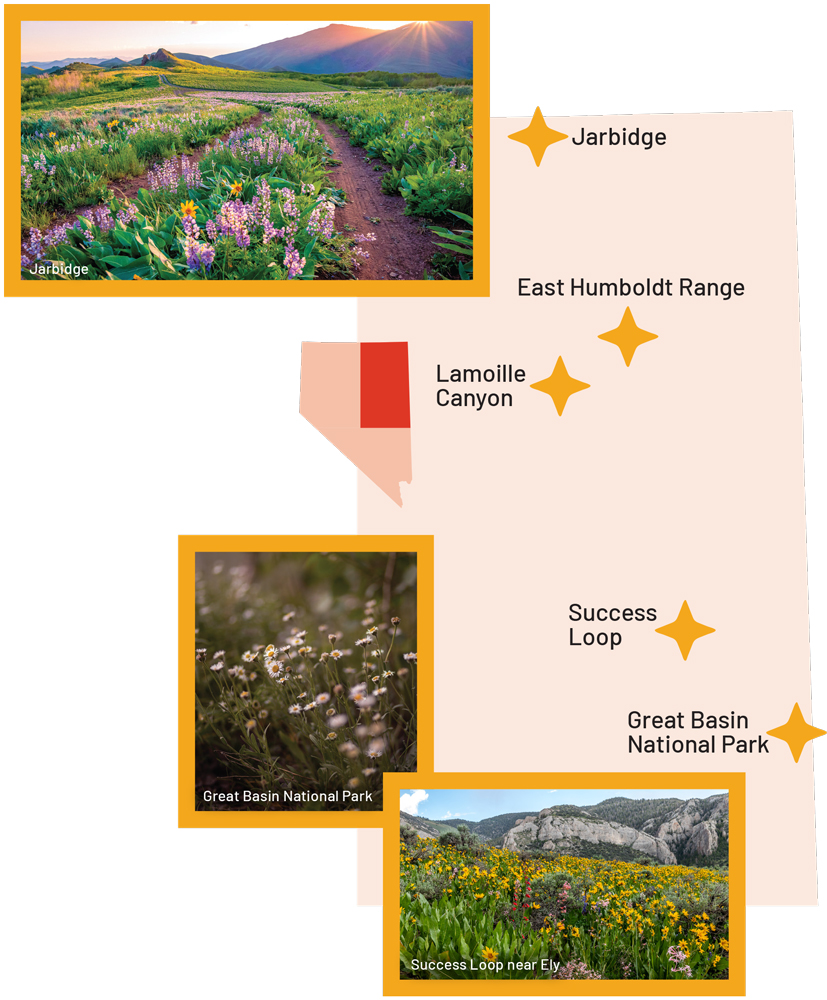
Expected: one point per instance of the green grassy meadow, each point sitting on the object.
(233, 175)
(81, 84)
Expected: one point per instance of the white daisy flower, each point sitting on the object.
(294, 709)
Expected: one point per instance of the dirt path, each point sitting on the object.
(128, 187)
(403, 247)
(177, 89)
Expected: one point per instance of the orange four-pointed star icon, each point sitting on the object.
(538, 136)
(560, 385)
(628, 336)
(796, 733)
(685, 630)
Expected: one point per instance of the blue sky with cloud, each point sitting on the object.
(441, 803)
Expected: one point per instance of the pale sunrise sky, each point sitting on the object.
(47, 40)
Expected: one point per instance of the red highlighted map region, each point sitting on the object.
(384, 394)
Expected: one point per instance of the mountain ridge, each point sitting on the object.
(667, 831)
(444, 48)
(293, 52)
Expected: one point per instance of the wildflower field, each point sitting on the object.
(253, 207)
(480, 912)
(305, 679)
(426, 138)
(232, 185)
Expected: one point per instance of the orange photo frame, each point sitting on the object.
(188, 546)
(477, 286)
(394, 985)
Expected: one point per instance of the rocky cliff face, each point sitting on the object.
(693, 827)
(558, 833)
(161, 56)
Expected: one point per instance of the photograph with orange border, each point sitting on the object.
(305, 676)
(610, 884)
(330, 152)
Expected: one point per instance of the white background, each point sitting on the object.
(127, 423)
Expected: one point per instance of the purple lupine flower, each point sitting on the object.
(164, 176)
(207, 254)
(293, 262)
(198, 254)
(321, 219)
(191, 172)
(34, 245)
(127, 213)
(190, 227)
(289, 207)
